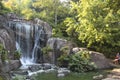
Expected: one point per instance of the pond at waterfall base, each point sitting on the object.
(71, 76)
(41, 72)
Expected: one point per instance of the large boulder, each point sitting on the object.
(100, 60)
(56, 44)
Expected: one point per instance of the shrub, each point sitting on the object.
(63, 60)
(78, 62)
(46, 49)
(4, 53)
(17, 55)
(64, 49)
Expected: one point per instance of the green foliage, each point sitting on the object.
(17, 55)
(46, 49)
(15, 79)
(96, 22)
(3, 53)
(3, 9)
(64, 49)
(79, 62)
(1, 47)
(52, 11)
(63, 60)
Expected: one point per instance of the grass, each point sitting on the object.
(71, 76)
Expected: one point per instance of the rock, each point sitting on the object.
(56, 44)
(77, 49)
(46, 26)
(7, 36)
(100, 60)
(47, 66)
(12, 65)
(99, 77)
(113, 75)
(7, 39)
(109, 79)
(64, 71)
(19, 73)
(61, 75)
(34, 68)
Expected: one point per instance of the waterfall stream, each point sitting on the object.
(29, 40)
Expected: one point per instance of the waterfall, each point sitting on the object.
(29, 40)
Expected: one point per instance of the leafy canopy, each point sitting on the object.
(96, 21)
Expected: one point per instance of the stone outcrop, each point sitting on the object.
(47, 28)
(56, 44)
(6, 36)
(7, 39)
(100, 60)
(9, 66)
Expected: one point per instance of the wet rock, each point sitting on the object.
(34, 68)
(46, 26)
(47, 66)
(19, 72)
(62, 72)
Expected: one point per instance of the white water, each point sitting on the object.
(24, 37)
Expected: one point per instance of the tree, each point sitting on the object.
(3, 9)
(97, 22)
(20, 7)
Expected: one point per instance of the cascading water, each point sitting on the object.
(29, 40)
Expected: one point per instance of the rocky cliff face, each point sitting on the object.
(6, 36)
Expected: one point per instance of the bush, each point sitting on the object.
(64, 49)
(17, 55)
(4, 53)
(46, 49)
(63, 60)
(78, 62)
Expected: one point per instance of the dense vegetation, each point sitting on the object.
(3, 9)
(97, 24)
(78, 62)
(89, 23)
